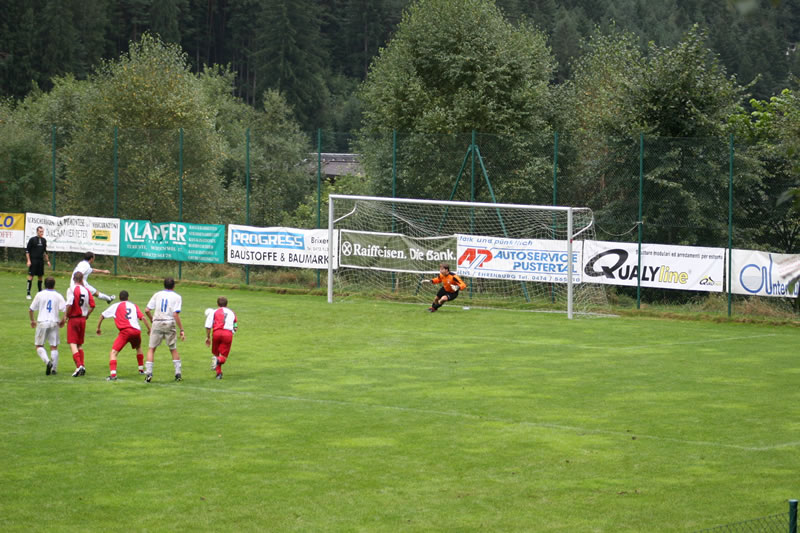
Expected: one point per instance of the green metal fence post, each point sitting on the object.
(247, 193)
(319, 185)
(730, 224)
(555, 168)
(53, 173)
(555, 199)
(640, 222)
(792, 516)
(394, 164)
(180, 192)
(116, 184)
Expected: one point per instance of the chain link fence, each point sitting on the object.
(684, 191)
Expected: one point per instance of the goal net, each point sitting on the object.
(511, 256)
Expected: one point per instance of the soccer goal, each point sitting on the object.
(510, 256)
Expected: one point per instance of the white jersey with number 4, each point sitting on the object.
(164, 304)
(49, 303)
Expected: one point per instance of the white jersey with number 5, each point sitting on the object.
(164, 304)
(49, 303)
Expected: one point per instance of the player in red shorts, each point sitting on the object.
(126, 317)
(222, 321)
(80, 305)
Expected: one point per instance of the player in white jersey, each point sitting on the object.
(85, 268)
(50, 306)
(166, 305)
(126, 317)
(222, 322)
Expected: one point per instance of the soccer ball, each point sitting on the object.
(209, 311)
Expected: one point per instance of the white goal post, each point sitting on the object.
(509, 255)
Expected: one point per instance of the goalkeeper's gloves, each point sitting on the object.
(455, 287)
(426, 281)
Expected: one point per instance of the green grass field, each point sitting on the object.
(381, 417)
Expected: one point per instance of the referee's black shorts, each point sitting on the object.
(450, 295)
(36, 268)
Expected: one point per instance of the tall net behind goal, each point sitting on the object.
(510, 256)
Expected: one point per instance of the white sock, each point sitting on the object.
(103, 296)
(54, 358)
(177, 364)
(40, 351)
(148, 367)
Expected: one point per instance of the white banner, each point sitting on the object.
(287, 247)
(12, 230)
(664, 266)
(76, 234)
(763, 273)
(516, 259)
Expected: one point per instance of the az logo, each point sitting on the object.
(475, 257)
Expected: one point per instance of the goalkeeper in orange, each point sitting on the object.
(451, 284)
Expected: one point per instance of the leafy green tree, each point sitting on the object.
(679, 98)
(456, 66)
(24, 165)
(149, 95)
(772, 131)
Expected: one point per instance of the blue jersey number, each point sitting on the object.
(49, 306)
(164, 306)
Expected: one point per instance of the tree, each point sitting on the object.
(291, 58)
(149, 95)
(24, 165)
(455, 66)
(680, 99)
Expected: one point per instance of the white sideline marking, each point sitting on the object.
(456, 414)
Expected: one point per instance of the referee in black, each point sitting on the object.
(36, 256)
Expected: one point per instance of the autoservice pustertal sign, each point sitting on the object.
(278, 246)
(75, 233)
(517, 259)
(394, 252)
(764, 273)
(12, 230)
(175, 241)
(664, 266)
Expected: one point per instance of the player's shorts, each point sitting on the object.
(127, 335)
(221, 342)
(76, 330)
(450, 295)
(46, 333)
(36, 268)
(163, 331)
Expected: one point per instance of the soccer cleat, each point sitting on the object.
(111, 298)
(431, 309)
(49, 369)
(76, 373)
(28, 297)
(178, 377)
(53, 372)
(214, 362)
(219, 376)
(141, 371)
(111, 378)
(82, 370)
(148, 378)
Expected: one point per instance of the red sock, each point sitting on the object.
(140, 359)
(112, 365)
(77, 358)
(82, 355)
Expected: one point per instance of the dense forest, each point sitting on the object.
(316, 52)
